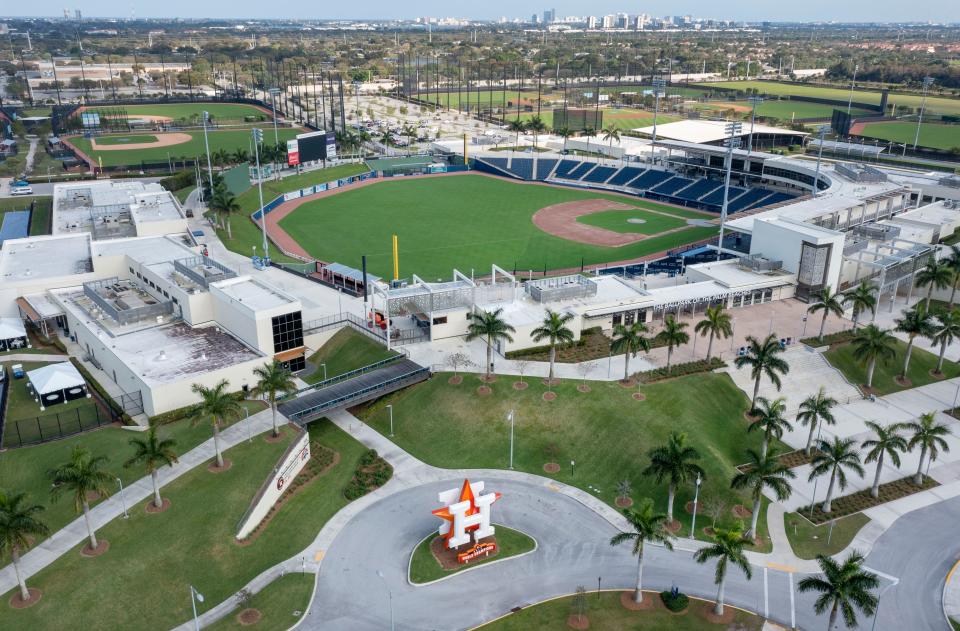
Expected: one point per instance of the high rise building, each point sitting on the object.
(591, 22)
(549, 16)
(609, 21)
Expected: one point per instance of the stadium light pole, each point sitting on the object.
(756, 100)
(257, 140)
(856, 67)
(658, 85)
(273, 103)
(927, 82)
(821, 132)
(206, 144)
(733, 130)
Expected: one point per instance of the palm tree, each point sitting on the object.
(629, 341)
(588, 133)
(861, 298)
(870, 344)
(224, 203)
(770, 419)
(82, 475)
(239, 156)
(934, 275)
(673, 334)
(611, 133)
(18, 523)
(716, 323)
(888, 442)
(565, 133)
(929, 435)
(518, 127)
(272, 380)
(763, 472)
(554, 328)
(844, 588)
(763, 359)
(953, 260)
(154, 453)
(674, 461)
(915, 322)
(815, 408)
(218, 405)
(946, 329)
(645, 526)
(537, 126)
(829, 302)
(489, 325)
(727, 548)
(834, 458)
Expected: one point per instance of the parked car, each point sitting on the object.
(21, 190)
(18, 372)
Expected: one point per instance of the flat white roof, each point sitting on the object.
(36, 258)
(252, 294)
(734, 276)
(699, 131)
(145, 250)
(936, 214)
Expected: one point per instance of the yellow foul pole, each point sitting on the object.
(396, 260)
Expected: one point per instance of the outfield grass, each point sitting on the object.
(187, 110)
(605, 612)
(935, 104)
(424, 567)
(617, 221)
(347, 350)
(246, 234)
(227, 140)
(605, 431)
(921, 363)
(141, 582)
(808, 540)
(464, 222)
(936, 135)
(40, 220)
(281, 604)
(783, 110)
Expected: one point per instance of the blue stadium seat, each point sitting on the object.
(599, 175)
(649, 179)
(581, 170)
(544, 166)
(776, 198)
(716, 197)
(624, 175)
(748, 200)
(565, 166)
(522, 168)
(500, 163)
(698, 189)
(672, 185)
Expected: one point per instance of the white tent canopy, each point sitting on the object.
(55, 378)
(12, 328)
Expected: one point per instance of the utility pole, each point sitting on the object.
(856, 67)
(927, 82)
(733, 130)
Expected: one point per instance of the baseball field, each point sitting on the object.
(132, 149)
(470, 221)
(936, 135)
(783, 110)
(176, 111)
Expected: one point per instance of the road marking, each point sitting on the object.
(554, 487)
(793, 611)
(766, 596)
(318, 556)
(789, 569)
(950, 573)
(893, 579)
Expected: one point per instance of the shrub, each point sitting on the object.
(674, 603)
(372, 472)
(830, 338)
(101, 393)
(680, 370)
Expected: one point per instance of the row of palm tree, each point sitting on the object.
(536, 126)
(84, 476)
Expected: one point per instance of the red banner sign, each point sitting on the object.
(481, 549)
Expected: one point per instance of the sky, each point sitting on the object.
(807, 10)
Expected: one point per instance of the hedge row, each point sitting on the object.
(830, 338)
(185, 412)
(372, 472)
(680, 370)
(101, 393)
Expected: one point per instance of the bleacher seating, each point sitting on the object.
(716, 197)
(748, 200)
(522, 168)
(650, 179)
(624, 175)
(544, 166)
(500, 163)
(671, 186)
(580, 171)
(565, 166)
(599, 175)
(776, 198)
(698, 189)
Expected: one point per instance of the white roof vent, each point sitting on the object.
(162, 357)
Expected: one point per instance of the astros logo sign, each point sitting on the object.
(466, 511)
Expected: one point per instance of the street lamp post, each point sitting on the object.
(572, 464)
(927, 82)
(123, 503)
(755, 100)
(733, 130)
(390, 410)
(696, 497)
(856, 67)
(195, 596)
(821, 132)
(510, 417)
(324, 366)
(257, 140)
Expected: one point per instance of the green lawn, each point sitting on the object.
(784, 110)
(936, 135)
(186, 110)
(153, 558)
(21, 405)
(921, 363)
(618, 221)
(13, 166)
(183, 193)
(228, 140)
(605, 612)
(25, 469)
(424, 567)
(125, 140)
(281, 604)
(606, 432)
(347, 350)
(937, 104)
(246, 234)
(43, 205)
(464, 222)
(808, 540)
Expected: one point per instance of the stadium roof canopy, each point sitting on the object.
(852, 148)
(706, 131)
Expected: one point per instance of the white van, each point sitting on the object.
(20, 190)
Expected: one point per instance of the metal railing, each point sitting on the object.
(366, 393)
(346, 376)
